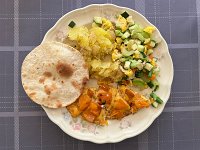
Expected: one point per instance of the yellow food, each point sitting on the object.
(149, 29)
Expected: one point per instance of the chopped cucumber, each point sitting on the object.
(140, 48)
(127, 65)
(140, 65)
(149, 51)
(98, 20)
(126, 35)
(122, 59)
(148, 66)
(118, 33)
(143, 55)
(140, 83)
(72, 24)
(125, 15)
(147, 41)
(155, 104)
(127, 53)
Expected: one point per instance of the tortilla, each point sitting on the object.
(54, 74)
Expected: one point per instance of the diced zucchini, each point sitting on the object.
(150, 73)
(143, 55)
(138, 36)
(152, 44)
(127, 53)
(155, 104)
(138, 74)
(126, 41)
(156, 88)
(122, 59)
(98, 20)
(147, 41)
(134, 47)
(125, 15)
(131, 24)
(156, 70)
(118, 33)
(137, 41)
(140, 48)
(140, 65)
(149, 51)
(134, 64)
(140, 83)
(126, 35)
(150, 84)
(129, 19)
(127, 65)
(145, 35)
(135, 28)
(72, 24)
(148, 66)
(118, 25)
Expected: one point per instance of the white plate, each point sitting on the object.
(131, 125)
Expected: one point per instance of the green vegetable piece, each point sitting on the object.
(138, 74)
(126, 35)
(138, 36)
(156, 98)
(155, 104)
(136, 28)
(71, 24)
(125, 14)
(140, 48)
(143, 54)
(149, 51)
(147, 41)
(156, 88)
(127, 53)
(118, 33)
(98, 20)
(159, 100)
(145, 35)
(150, 73)
(134, 64)
(140, 83)
(150, 84)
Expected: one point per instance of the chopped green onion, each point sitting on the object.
(150, 73)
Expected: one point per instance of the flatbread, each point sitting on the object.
(54, 74)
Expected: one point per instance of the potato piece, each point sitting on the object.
(101, 119)
(140, 101)
(87, 115)
(74, 110)
(104, 97)
(94, 108)
(83, 102)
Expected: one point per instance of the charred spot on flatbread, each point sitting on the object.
(47, 74)
(64, 69)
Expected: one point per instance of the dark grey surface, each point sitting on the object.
(24, 125)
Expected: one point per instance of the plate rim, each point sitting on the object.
(151, 120)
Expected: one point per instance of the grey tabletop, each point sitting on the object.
(25, 126)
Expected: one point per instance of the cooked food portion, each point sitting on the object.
(54, 74)
(96, 43)
(122, 51)
(97, 105)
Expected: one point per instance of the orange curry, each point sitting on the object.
(97, 105)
